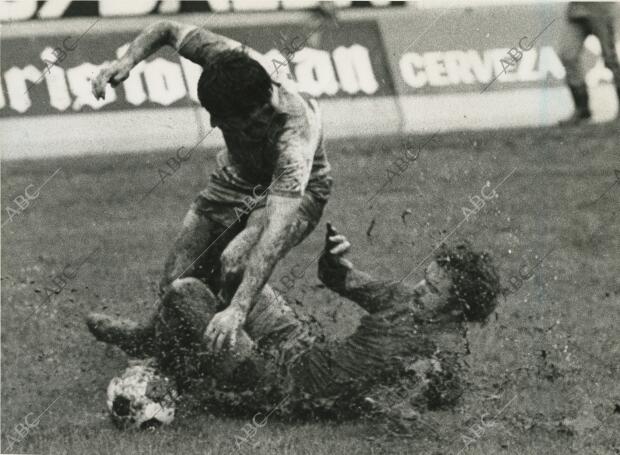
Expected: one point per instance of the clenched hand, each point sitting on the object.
(113, 72)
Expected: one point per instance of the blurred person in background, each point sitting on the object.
(584, 19)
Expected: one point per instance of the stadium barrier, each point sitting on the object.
(377, 71)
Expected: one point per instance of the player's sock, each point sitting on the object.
(582, 108)
(136, 340)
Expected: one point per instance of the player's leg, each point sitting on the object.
(175, 338)
(181, 317)
(196, 252)
(187, 309)
(603, 28)
(236, 253)
(135, 339)
(197, 248)
(573, 35)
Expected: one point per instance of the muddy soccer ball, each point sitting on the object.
(141, 398)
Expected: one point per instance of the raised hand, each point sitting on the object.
(114, 73)
(336, 246)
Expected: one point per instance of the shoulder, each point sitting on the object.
(199, 45)
(302, 112)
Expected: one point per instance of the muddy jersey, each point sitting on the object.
(285, 153)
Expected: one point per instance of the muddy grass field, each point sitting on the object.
(543, 372)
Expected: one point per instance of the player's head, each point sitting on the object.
(233, 86)
(474, 284)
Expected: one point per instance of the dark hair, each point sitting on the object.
(233, 84)
(476, 283)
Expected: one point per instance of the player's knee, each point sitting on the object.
(183, 287)
(164, 285)
(172, 290)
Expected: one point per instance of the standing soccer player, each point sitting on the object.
(583, 19)
(274, 158)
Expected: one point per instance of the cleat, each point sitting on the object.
(132, 338)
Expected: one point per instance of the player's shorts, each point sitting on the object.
(228, 199)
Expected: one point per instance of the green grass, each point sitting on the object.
(553, 344)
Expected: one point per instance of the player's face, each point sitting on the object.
(434, 289)
(251, 126)
(438, 277)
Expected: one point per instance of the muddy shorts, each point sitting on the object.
(228, 199)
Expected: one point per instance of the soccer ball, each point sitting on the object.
(141, 398)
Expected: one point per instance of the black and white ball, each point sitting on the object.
(141, 398)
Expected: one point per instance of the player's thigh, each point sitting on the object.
(198, 246)
(573, 35)
(603, 28)
(306, 219)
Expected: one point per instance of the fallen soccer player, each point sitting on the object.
(410, 333)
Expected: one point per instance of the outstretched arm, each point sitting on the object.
(152, 38)
(191, 42)
(339, 275)
(155, 36)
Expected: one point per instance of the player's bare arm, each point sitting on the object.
(158, 35)
(279, 218)
(339, 275)
(151, 39)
